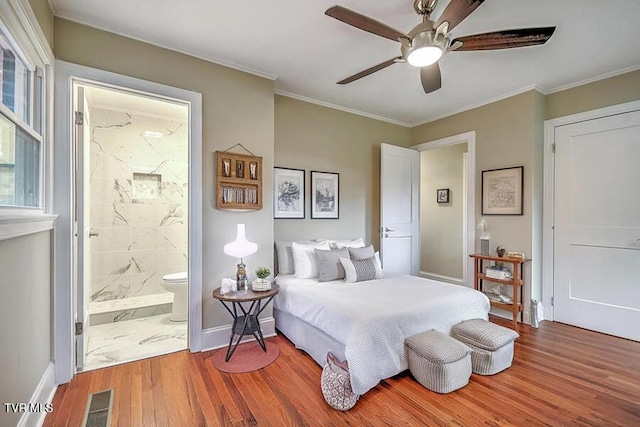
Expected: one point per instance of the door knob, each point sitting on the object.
(93, 234)
(388, 229)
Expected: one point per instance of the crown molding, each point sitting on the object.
(341, 108)
(594, 79)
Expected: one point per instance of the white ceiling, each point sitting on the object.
(306, 52)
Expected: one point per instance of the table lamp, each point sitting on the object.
(241, 248)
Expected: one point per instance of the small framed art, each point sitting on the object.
(502, 191)
(288, 193)
(325, 195)
(442, 195)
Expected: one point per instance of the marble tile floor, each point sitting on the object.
(120, 342)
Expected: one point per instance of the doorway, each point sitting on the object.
(447, 208)
(69, 300)
(132, 204)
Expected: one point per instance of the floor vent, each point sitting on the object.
(99, 409)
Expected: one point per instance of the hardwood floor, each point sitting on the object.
(561, 376)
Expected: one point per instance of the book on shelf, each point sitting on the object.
(495, 273)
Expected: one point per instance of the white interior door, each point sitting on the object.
(597, 225)
(82, 250)
(399, 209)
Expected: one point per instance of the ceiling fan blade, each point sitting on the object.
(506, 39)
(364, 23)
(430, 77)
(368, 71)
(456, 12)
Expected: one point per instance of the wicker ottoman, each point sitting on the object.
(492, 345)
(438, 362)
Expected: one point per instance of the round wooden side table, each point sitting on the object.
(245, 321)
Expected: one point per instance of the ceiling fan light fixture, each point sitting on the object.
(424, 56)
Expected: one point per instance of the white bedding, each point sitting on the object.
(373, 318)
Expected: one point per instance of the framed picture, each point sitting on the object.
(442, 195)
(325, 195)
(502, 191)
(288, 193)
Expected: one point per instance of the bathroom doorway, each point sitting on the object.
(131, 224)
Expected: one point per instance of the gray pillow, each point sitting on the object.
(329, 266)
(361, 253)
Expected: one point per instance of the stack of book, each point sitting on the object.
(496, 273)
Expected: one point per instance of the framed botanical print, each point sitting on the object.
(325, 195)
(502, 191)
(288, 193)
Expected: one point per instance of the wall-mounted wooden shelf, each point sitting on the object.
(238, 181)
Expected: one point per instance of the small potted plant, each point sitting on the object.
(261, 283)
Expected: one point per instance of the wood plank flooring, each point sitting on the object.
(561, 376)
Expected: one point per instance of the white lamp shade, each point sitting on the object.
(240, 247)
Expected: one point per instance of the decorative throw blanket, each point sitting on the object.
(373, 318)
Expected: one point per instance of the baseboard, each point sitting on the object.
(41, 398)
(526, 314)
(218, 337)
(440, 277)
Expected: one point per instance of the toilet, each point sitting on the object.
(178, 284)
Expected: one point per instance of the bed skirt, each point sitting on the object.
(305, 337)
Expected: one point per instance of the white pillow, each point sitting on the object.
(379, 272)
(354, 243)
(304, 259)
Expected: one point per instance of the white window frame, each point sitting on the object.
(21, 27)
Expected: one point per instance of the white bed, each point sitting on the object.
(367, 322)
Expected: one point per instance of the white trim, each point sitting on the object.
(218, 337)
(12, 226)
(549, 190)
(482, 103)
(340, 108)
(43, 394)
(470, 224)
(66, 75)
(207, 58)
(594, 79)
(33, 30)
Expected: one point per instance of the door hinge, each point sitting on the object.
(79, 118)
(79, 328)
(553, 147)
(552, 302)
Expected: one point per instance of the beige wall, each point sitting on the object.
(236, 108)
(312, 137)
(603, 93)
(45, 18)
(441, 223)
(505, 137)
(25, 318)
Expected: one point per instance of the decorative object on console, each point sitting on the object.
(241, 248)
(261, 283)
(442, 195)
(484, 238)
(325, 195)
(517, 255)
(238, 180)
(502, 191)
(288, 193)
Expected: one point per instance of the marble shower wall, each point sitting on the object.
(138, 203)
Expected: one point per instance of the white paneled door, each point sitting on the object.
(597, 225)
(399, 209)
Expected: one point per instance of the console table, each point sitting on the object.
(516, 282)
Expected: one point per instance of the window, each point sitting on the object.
(22, 97)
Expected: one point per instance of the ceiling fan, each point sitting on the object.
(428, 41)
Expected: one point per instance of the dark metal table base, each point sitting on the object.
(247, 323)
